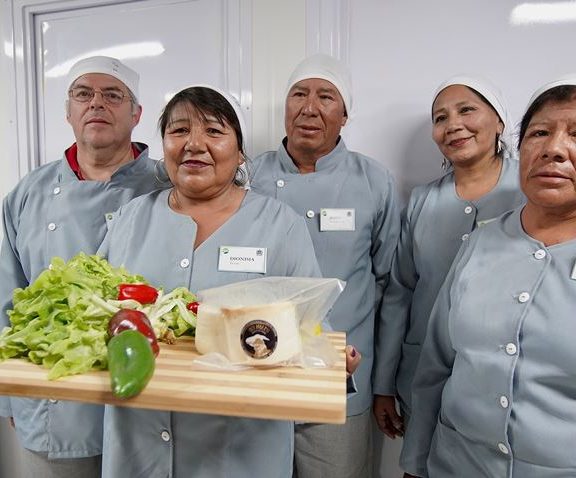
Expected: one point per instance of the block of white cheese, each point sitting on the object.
(254, 335)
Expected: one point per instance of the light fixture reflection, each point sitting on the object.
(122, 52)
(8, 49)
(553, 12)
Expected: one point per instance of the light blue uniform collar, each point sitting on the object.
(324, 164)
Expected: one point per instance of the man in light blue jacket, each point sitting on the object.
(60, 209)
(349, 203)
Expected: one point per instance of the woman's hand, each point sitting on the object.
(353, 358)
(388, 420)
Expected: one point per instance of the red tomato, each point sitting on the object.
(193, 307)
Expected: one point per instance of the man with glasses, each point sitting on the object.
(60, 209)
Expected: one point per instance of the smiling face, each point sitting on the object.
(98, 125)
(548, 157)
(313, 119)
(201, 153)
(464, 126)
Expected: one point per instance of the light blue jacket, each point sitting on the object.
(495, 388)
(150, 239)
(363, 257)
(434, 225)
(52, 213)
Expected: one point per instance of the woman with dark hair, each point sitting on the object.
(470, 126)
(174, 238)
(495, 389)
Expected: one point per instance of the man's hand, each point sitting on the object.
(353, 358)
(388, 420)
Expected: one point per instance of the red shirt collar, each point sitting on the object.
(72, 157)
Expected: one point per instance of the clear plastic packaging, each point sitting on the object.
(266, 322)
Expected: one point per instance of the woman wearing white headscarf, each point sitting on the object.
(495, 389)
(470, 125)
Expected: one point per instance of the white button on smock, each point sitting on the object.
(52, 400)
(280, 183)
(540, 254)
(310, 214)
(184, 263)
(523, 297)
(465, 237)
(51, 226)
(503, 448)
(56, 190)
(165, 435)
(504, 401)
(468, 209)
(511, 349)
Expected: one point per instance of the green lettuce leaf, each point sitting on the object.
(58, 321)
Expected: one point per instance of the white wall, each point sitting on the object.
(401, 50)
(279, 43)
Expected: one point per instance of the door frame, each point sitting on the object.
(21, 60)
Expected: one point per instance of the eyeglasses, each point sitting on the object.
(83, 94)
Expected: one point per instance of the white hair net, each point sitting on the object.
(326, 68)
(567, 80)
(108, 66)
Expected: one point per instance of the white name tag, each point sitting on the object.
(332, 219)
(242, 259)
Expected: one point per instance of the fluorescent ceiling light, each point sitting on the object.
(553, 12)
(127, 51)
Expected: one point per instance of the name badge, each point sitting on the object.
(242, 259)
(332, 219)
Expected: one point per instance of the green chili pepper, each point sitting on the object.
(130, 362)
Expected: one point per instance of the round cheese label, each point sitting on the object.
(258, 339)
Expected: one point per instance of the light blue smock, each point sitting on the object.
(52, 213)
(148, 238)
(495, 390)
(363, 257)
(434, 224)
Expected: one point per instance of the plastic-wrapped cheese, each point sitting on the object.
(253, 335)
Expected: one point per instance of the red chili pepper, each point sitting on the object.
(128, 319)
(193, 307)
(142, 293)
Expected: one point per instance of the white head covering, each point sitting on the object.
(562, 81)
(489, 91)
(326, 68)
(107, 65)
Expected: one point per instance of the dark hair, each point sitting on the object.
(206, 102)
(558, 94)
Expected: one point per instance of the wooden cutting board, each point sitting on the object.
(285, 393)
